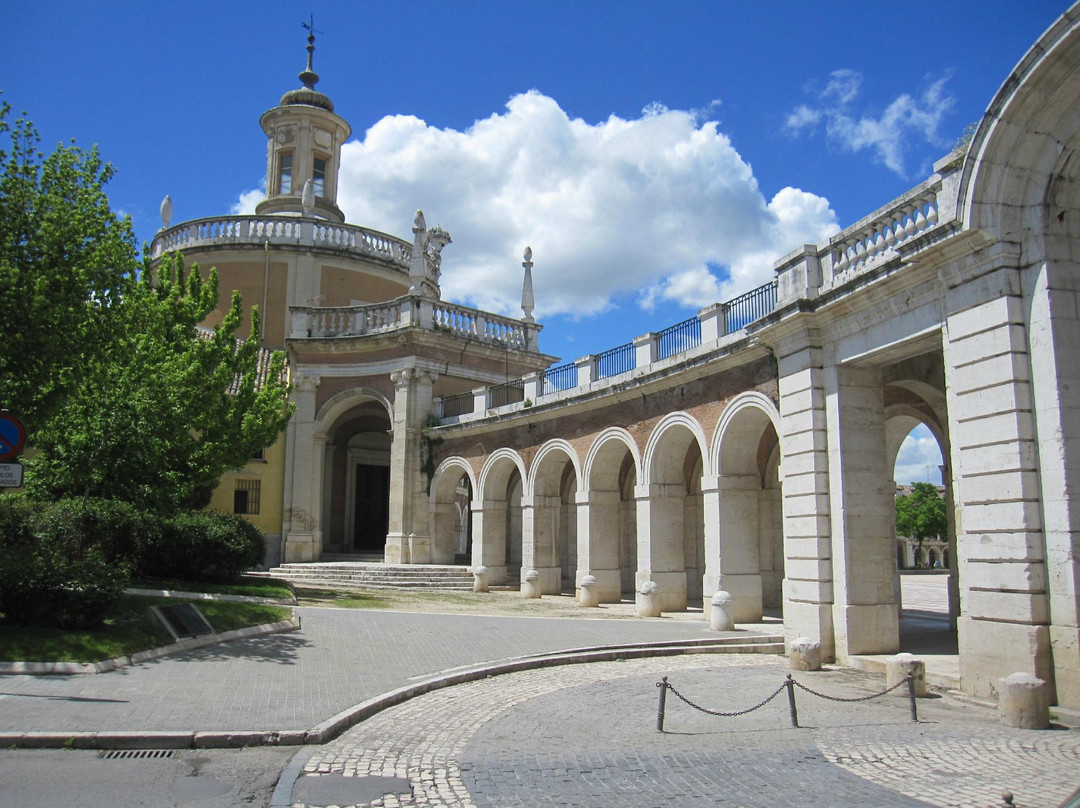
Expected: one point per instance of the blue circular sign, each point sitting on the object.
(12, 436)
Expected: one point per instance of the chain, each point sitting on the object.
(774, 694)
(858, 698)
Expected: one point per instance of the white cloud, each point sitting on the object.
(657, 207)
(247, 201)
(889, 135)
(919, 458)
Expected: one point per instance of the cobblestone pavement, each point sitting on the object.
(585, 735)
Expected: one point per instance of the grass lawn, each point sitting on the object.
(250, 586)
(126, 632)
(419, 600)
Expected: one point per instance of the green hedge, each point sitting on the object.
(51, 571)
(65, 563)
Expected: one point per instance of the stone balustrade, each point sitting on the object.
(283, 231)
(879, 239)
(324, 322)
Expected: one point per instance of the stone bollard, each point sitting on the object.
(898, 667)
(530, 584)
(648, 600)
(1024, 701)
(479, 579)
(804, 654)
(721, 619)
(589, 596)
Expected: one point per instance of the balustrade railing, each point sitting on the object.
(875, 240)
(614, 361)
(348, 321)
(509, 393)
(460, 404)
(678, 338)
(749, 307)
(282, 231)
(479, 324)
(558, 378)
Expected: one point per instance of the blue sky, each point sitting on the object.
(657, 156)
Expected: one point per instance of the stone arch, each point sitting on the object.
(747, 560)
(497, 516)
(352, 448)
(1022, 136)
(549, 515)
(451, 517)
(671, 543)
(607, 514)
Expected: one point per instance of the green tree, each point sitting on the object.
(65, 262)
(165, 407)
(920, 515)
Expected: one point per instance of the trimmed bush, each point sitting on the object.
(52, 573)
(204, 544)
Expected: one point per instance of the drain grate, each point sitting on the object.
(118, 754)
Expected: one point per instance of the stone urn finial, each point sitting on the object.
(307, 197)
(166, 212)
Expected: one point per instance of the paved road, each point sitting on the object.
(294, 681)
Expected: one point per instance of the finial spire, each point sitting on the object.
(528, 303)
(309, 77)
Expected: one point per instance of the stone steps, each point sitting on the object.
(376, 575)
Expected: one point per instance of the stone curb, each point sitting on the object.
(334, 726)
(77, 668)
(176, 593)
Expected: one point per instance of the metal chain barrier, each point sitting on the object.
(769, 698)
(801, 686)
(789, 684)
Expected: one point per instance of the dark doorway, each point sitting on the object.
(372, 508)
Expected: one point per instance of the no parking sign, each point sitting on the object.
(12, 441)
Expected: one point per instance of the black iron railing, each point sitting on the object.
(461, 404)
(749, 307)
(509, 393)
(558, 378)
(614, 361)
(678, 338)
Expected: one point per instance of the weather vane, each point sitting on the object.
(309, 26)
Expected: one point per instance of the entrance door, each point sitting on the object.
(372, 511)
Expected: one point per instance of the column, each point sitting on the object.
(660, 542)
(1003, 627)
(866, 615)
(301, 534)
(409, 537)
(740, 567)
(540, 541)
(598, 542)
(804, 475)
(489, 538)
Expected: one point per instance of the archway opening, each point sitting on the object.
(451, 506)
(751, 563)
(925, 540)
(672, 553)
(356, 499)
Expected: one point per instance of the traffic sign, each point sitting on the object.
(12, 436)
(11, 475)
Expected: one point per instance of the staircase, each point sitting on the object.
(375, 575)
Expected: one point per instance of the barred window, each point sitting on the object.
(246, 496)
